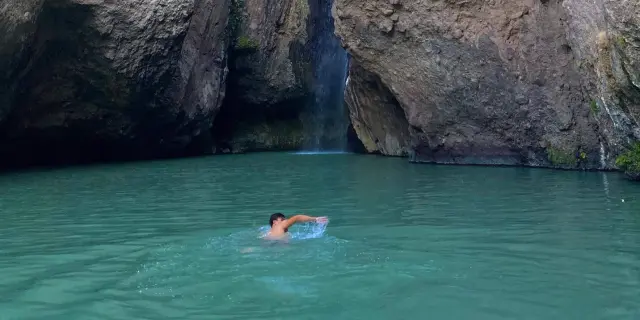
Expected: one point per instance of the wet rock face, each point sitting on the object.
(101, 80)
(605, 37)
(486, 82)
(282, 55)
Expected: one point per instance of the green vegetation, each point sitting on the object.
(622, 43)
(629, 161)
(236, 20)
(594, 107)
(246, 43)
(276, 135)
(561, 158)
(583, 156)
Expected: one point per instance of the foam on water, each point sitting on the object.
(171, 266)
(302, 232)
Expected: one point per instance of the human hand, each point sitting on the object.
(322, 220)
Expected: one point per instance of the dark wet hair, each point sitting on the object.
(275, 217)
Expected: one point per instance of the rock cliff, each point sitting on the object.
(91, 80)
(285, 84)
(270, 76)
(527, 82)
(376, 116)
(605, 37)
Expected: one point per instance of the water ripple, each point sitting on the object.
(180, 240)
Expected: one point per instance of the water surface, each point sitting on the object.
(178, 240)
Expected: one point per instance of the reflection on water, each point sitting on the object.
(316, 153)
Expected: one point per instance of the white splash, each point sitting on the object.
(303, 231)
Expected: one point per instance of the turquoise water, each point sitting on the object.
(178, 240)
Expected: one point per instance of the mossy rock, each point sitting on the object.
(275, 135)
(562, 158)
(621, 42)
(629, 162)
(246, 43)
(594, 107)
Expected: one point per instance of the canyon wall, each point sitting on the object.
(87, 80)
(285, 88)
(528, 82)
(539, 83)
(270, 76)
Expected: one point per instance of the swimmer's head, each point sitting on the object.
(276, 218)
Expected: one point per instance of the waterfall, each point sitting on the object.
(329, 122)
(603, 157)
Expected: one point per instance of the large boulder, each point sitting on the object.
(268, 51)
(102, 80)
(487, 82)
(270, 76)
(287, 73)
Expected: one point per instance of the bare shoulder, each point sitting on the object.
(275, 232)
(276, 236)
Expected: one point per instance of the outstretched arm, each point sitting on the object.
(301, 218)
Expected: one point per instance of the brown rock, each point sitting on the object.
(495, 82)
(376, 116)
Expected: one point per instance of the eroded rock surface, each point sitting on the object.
(376, 116)
(605, 37)
(268, 51)
(103, 80)
(282, 66)
(490, 82)
(270, 77)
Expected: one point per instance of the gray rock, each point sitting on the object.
(605, 37)
(270, 76)
(18, 24)
(100, 80)
(521, 99)
(269, 54)
(277, 68)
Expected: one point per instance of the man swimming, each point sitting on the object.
(280, 224)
